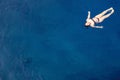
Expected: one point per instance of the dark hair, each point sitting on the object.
(87, 26)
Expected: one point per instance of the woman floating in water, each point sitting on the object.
(98, 18)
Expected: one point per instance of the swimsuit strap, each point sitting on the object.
(93, 20)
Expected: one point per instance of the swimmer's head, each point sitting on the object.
(87, 24)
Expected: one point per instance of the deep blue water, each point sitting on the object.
(46, 40)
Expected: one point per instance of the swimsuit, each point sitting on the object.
(95, 21)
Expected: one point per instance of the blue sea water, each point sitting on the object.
(47, 40)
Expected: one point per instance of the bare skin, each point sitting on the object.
(98, 18)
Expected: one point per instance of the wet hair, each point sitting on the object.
(87, 26)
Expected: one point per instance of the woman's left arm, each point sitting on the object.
(88, 17)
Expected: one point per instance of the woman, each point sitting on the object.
(98, 18)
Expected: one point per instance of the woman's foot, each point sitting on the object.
(111, 8)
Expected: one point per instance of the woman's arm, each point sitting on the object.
(88, 17)
(97, 26)
(93, 26)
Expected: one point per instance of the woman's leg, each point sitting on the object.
(106, 16)
(103, 13)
